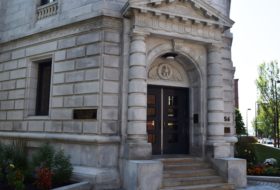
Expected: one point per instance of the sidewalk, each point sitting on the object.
(263, 183)
(261, 186)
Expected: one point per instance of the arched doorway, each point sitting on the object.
(172, 104)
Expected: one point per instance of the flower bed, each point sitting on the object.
(72, 186)
(47, 169)
(263, 170)
(30, 186)
(256, 154)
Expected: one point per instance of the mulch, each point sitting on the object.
(27, 187)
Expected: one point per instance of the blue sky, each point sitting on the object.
(256, 39)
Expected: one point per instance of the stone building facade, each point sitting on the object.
(115, 82)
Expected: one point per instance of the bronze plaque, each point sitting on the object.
(85, 114)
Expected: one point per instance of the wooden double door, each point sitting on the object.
(167, 119)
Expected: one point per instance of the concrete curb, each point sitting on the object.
(264, 179)
(77, 186)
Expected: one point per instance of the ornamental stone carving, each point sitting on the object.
(165, 71)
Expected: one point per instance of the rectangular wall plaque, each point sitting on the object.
(85, 114)
(227, 130)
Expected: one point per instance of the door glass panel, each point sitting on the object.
(172, 112)
(172, 125)
(172, 138)
(151, 138)
(172, 100)
(151, 125)
(151, 99)
(151, 112)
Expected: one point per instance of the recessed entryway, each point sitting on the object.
(167, 119)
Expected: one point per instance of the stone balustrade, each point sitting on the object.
(47, 10)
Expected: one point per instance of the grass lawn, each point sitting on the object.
(263, 152)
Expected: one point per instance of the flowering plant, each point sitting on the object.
(44, 178)
(256, 170)
(263, 169)
(15, 177)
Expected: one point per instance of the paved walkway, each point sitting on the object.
(258, 185)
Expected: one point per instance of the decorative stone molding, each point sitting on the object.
(163, 25)
(210, 16)
(47, 10)
(165, 71)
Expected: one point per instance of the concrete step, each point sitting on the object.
(173, 182)
(188, 173)
(218, 186)
(191, 174)
(186, 166)
(181, 160)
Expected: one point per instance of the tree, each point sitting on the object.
(239, 124)
(263, 123)
(267, 99)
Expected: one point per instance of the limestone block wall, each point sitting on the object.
(85, 74)
(20, 16)
(1, 16)
(222, 5)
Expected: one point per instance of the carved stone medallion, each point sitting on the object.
(164, 71)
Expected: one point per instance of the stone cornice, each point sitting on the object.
(212, 16)
(181, 17)
(176, 28)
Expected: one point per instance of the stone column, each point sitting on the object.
(137, 146)
(216, 145)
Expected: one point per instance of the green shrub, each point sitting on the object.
(245, 151)
(43, 157)
(56, 161)
(14, 164)
(2, 160)
(62, 168)
(15, 178)
(263, 152)
(16, 154)
(15, 170)
(272, 171)
(247, 139)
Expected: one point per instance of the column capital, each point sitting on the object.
(215, 47)
(138, 35)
